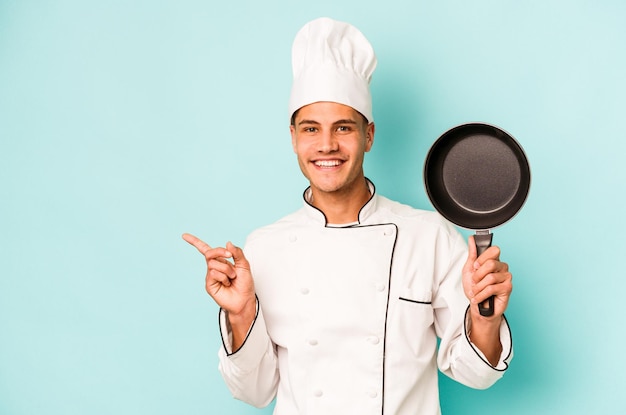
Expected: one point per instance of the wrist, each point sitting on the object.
(244, 314)
(241, 323)
(484, 325)
(484, 333)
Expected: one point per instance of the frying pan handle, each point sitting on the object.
(483, 241)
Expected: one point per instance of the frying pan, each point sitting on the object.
(477, 177)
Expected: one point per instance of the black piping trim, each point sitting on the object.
(393, 251)
(258, 307)
(414, 301)
(368, 182)
(307, 202)
(506, 365)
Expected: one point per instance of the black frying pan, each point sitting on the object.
(477, 177)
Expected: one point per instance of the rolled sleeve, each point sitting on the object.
(471, 367)
(254, 345)
(505, 341)
(251, 372)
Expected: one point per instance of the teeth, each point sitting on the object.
(327, 163)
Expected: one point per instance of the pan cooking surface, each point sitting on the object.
(477, 183)
(477, 176)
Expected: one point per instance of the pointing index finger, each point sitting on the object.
(205, 249)
(195, 241)
(200, 245)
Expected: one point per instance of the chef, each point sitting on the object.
(338, 307)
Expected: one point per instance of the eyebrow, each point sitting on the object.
(346, 121)
(313, 122)
(308, 122)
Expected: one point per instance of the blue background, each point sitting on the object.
(124, 124)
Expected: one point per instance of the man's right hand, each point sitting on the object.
(230, 284)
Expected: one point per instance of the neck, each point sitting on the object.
(342, 206)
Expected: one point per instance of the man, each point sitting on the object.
(336, 308)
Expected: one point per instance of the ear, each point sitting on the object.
(292, 130)
(369, 136)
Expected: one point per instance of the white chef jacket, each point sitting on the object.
(348, 317)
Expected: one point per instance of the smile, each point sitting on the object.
(327, 163)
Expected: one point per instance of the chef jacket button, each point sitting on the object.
(373, 340)
(304, 290)
(312, 342)
(293, 238)
(318, 393)
(380, 287)
(373, 394)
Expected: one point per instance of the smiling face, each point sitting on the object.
(330, 141)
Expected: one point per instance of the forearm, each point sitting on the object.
(484, 333)
(240, 324)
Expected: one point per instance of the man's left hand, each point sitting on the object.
(484, 276)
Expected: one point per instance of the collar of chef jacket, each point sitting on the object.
(318, 216)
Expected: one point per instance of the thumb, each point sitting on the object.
(238, 257)
(472, 255)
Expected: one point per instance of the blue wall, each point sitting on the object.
(124, 124)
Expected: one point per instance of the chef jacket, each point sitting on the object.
(348, 317)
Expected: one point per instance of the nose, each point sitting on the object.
(328, 142)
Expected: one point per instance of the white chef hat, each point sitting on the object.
(332, 61)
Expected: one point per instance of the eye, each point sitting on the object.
(309, 129)
(344, 128)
